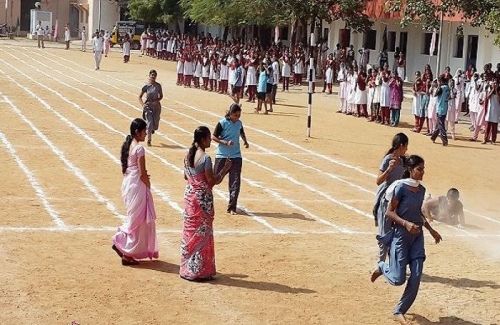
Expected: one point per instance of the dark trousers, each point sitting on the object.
(273, 93)
(234, 180)
(441, 130)
(286, 83)
(491, 132)
(67, 45)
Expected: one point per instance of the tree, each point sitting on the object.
(478, 12)
(154, 11)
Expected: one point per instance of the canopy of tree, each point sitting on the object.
(241, 13)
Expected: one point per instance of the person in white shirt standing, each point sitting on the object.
(67, 36)
(97, 48)
(39, 34)
(126, 49)
(276, 78)
(84, 39)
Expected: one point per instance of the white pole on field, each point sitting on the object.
(311, 71)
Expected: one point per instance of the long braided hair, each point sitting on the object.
(136, 126)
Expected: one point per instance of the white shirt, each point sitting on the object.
(97, 44)
(84, 35)
(39, 30)
(276, 72)
(67, 36)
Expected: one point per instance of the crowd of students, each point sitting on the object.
(375, 92)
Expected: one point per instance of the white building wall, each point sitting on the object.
(487, 52)
(110, 14)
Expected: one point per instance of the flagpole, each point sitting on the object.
(438, 65)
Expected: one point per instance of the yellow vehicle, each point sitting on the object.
(127, 27)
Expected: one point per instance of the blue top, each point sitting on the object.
(239, 79)
(261, 87)
(229, 131)
(442, 100)
(410, 203)
(396, 173)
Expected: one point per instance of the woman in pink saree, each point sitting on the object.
(136, 238)
(197, 246)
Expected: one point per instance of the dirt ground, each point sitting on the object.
(302, 252)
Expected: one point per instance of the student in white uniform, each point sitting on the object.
(107, 43)
(276, 78)
(126, 49)
(67, 37)
(473, 98)
(40, 34)
(84, 39)
(286, 73)
(97, 48)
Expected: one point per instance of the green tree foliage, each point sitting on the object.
(478, 12)
(159, 11)
(274, 12)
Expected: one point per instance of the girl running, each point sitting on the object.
(406, 239)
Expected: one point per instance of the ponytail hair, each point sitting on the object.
(136, 126)
(411, 163)
(234, 108)
(399, 140)
(201, 132)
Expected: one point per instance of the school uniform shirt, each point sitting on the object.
(232, 74)
(197, 69)
(98, 44)
(126, 48)
(262, 84)
(493, 113)
(67, 36)
(286, 71)
(39, 30)
(224, 72)
(205, 68)
(442, 101)
(329, 75)
(299, 67)
(180, 66)
(410, 203)
(251, 79)
(276, 72)
(474, 96)
(84, 35)
(238, 77)
(188, 68)
(229, 131)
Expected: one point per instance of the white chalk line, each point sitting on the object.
(229, 232)
(328, 197)
(75, 170)
(165, 162)
(82, 133)
(310, 152)
(40, 193)
(250, 182)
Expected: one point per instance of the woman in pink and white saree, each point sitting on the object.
(197, 246)
(136, 238)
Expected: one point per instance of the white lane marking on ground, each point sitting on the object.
(75, 170)
(40, 193)
(250, 182)
(79, 131)
(344, 164)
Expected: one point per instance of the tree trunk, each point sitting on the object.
(225, 34)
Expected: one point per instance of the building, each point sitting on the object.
(74, 13)
(462, 44)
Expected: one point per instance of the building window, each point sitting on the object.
(459, 46)
(427, 44)
(370, 39)
(391, 41)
